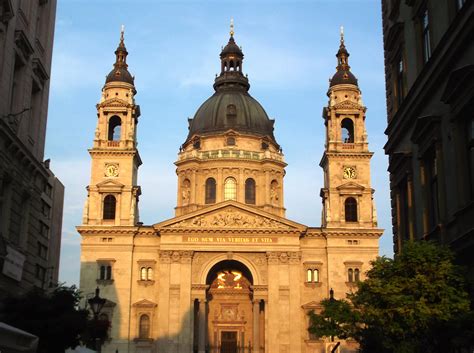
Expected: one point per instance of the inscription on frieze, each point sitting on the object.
(230, 240)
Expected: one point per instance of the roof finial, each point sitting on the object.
(122, 31)
(342, 34)
(231, 27)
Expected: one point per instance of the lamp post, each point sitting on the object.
(96, 304)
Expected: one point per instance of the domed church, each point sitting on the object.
(229, 273)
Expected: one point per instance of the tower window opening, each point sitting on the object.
(350, 275)
(115, 125)
(231, 111)
(109, 207)
(350, 206)
(144, 326)
(356, 275)
(230, 189)
(105, 272)
(231, 66)
(250, 191)
(146, 274)
(347, 131)
(210, 191)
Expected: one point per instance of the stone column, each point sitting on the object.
(202, 326)
(256, 326)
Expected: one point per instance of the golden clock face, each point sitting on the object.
(111, 170)
(349, 173)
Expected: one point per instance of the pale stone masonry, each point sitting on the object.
(229, 273)
(31, 197)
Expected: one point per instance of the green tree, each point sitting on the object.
(54, 317)
(336, 319)
(414, 303)
(406, 301)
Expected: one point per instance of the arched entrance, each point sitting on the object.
(233, 316)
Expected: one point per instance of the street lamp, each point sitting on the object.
(96, 304)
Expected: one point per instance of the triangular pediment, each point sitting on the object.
(110, 183)
(351, 186)
(347, 104)
(312, 305)
(144, 303)
(231, 215)
(114, 102)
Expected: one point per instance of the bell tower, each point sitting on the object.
(347, 195)
(113, 191)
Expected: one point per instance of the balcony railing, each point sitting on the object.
(231, 154)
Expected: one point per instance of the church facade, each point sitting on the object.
(229, 273)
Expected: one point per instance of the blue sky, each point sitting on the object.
(174, 48)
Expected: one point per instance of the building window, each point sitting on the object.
(40, 273)
(470, 146)
(44, 230)
(115, 125)
(230, 189)
(460, 4)
(250, 191)
(353, 275)
(425, 27)
(231, 111)
(312, 275)
(400, 80)
(146, 273)
(42, 251)
(210, 191)
(109, 207)
(347, 131)
(230, 141)
(431, 174)
(144, 327)
(105, 272)
(350, 208)
(45, 209)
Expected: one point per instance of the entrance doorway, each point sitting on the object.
(228, 342)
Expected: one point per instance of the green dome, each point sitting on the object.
(231, 109)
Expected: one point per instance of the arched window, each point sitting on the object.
(250, 191)
(315, 275)
(230, 189)
(350, 275)
(115, 125)
(230, 141)
(143, 274)
(347, 130)
(357, 275)
(350, 207)
(309, 275)
(149, 273)
(144, 326)
(210, 190)
(109, 207)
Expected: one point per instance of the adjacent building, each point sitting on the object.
(31, 197)
(429, 69)
(229, 273)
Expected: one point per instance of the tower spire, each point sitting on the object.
(343, 74)
(120, 71)
(231, 27)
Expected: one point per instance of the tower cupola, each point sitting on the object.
(343, 74)
(120, 71)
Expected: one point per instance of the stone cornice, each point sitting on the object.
(118, 230)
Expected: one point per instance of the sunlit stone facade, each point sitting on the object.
(229, 273)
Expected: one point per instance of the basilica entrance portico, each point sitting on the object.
(230, 316)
